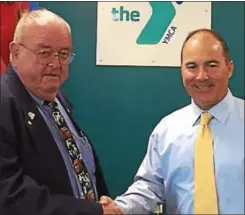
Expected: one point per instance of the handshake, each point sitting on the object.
(109, 206)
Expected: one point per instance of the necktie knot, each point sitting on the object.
(51, 104)
(205, 118)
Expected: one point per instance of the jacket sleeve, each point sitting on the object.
(19, 193)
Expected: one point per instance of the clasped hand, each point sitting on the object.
(109, 206)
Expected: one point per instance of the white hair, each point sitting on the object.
(41, 17)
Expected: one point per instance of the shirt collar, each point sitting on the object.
(220, 111)
(38, 100)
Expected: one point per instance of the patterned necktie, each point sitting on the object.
(73, 151)
(205, 196)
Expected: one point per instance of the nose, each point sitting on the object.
(202, 74)
(55, 63)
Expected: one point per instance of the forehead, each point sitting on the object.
(55, 35)
(202, 46)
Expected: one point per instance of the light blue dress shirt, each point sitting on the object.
(166, 172)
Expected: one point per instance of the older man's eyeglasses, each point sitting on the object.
(47, 55)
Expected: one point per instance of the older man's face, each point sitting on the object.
(205, 70)
(42, 77)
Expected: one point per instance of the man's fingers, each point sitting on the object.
(104, 200)
(111, 209)
(109, 206)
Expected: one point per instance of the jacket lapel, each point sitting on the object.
(42, 139)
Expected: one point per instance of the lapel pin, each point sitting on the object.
(31, 115)
(29, 122)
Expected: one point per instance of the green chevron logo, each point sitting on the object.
(162, 15)
(158, 24)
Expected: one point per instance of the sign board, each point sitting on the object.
(146, 33)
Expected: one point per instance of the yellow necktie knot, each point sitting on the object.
(205, 118)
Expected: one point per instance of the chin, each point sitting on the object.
(52, 89)
(205, 103)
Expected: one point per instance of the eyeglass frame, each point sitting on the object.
(72, 55)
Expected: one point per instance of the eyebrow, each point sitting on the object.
(212, 61)
(49, 47)
(206, 62)
(189, 63)
(43, 46)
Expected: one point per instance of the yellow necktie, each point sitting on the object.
(205, 196)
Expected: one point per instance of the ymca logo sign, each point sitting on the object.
(146, 33)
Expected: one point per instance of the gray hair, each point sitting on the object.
(40, 16)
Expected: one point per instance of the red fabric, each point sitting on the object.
(3, 66)
(10, 14)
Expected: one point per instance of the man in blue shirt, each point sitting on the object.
(168, 171)
(47, 164)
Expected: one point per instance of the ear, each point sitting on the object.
(230, 67)
(14, 49)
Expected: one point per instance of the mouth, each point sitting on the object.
(204, 89)
(51, 75)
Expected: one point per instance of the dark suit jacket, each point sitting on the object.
(33, 175)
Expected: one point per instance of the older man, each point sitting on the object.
(195, 157)
(47, 164)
